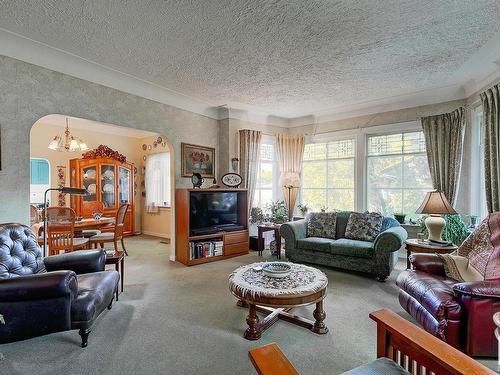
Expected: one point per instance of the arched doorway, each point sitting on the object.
(139, 147)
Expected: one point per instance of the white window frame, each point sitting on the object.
(331, 137)
(407, 127)
(277, 193)
(167, 181)
(38, 190)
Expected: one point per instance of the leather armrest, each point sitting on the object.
(39, 286)
(429, 263)
(487, 289)
(390, 240)
(294, 230)
(83, 261)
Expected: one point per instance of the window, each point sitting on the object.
(39, 179)
(328, 175)
(397, 173)
(266, 175)
(158, 179)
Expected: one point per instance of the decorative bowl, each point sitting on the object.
(276, 269)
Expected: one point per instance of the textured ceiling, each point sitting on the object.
(289, 57)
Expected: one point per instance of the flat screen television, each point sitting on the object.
(212, 212)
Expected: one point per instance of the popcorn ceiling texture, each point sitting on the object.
(289, 57)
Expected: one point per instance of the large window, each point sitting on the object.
(266, 175)
(39, 179)
(397, 173)
(328, 175)
(158, 179)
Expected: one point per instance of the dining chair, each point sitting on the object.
(116, 235)
(61, 231)
(88, 210)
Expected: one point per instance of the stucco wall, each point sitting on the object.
(29, 92)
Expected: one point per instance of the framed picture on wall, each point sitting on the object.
(197, 159)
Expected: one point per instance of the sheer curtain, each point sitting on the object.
(490, 100)
(444, 136)
(290, 149)
(249, 157)
(157, 181)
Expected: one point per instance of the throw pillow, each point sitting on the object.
(321, 224)
(459, 268)
(364, 226)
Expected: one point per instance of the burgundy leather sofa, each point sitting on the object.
(459, 313)
(45, 295)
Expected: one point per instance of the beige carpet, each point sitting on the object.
(173, 319)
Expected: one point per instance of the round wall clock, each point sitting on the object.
(196, 180)
(232, 180)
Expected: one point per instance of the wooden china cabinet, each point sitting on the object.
(108, 181)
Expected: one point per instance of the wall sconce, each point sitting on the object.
(234, 164)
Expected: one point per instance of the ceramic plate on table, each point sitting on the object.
(276, 269)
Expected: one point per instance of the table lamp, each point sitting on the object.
(435, 204)
(64, 190)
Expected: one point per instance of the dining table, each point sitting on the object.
(80, 225)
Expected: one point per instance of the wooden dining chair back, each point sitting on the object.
(61, 230)
(88, 208)
(117, 234)
(34, 217)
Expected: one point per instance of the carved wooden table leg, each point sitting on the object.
(320, 315)
(253, 331)
(241, 303)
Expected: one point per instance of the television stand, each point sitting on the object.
(223, 242)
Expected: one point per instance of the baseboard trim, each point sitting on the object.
(156, 234)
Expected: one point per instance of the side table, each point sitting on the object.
(414, 246)
(277, 237)
(118, 259)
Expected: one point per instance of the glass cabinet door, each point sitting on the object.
(123, 185)
(89, 182)
(108, 182)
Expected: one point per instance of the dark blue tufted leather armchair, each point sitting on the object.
(40, 296)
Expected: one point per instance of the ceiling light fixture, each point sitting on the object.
(68, 143)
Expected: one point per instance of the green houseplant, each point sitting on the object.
(278, 212)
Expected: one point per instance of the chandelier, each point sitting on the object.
(67, 142)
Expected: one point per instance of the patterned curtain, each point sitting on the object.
(249, 156)
(444, 136)
(491, 115)
(290, 150)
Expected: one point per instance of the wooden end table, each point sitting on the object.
(118, 259)
(415, 246)
(277, 237)
(276, 307)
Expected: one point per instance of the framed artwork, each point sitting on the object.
(197, 159)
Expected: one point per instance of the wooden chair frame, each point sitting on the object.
(119, 228)
(410, 346)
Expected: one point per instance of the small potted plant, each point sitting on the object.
(278, 212)
(400, 217)
(303, 209)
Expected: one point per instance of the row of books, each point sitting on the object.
(205, 249)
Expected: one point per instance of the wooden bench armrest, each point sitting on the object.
(270, 360)
(412, 347)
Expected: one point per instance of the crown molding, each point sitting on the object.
(37, 53)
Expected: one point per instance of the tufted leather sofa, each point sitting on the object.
(44, 295)
(459, 313)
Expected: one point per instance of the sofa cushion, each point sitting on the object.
(354, 248)
(315, 243)
(321, 224)
(342, 218)
(95, 291)
(364, 226)
(380, 366)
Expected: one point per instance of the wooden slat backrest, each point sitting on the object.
(397, 338)
(120, 220)
(60, 229)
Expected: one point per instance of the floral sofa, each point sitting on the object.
(376, 253)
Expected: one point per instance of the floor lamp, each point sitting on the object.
(290, 181)
(63, 190)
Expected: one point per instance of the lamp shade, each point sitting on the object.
(435, 203)
(290, 179)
